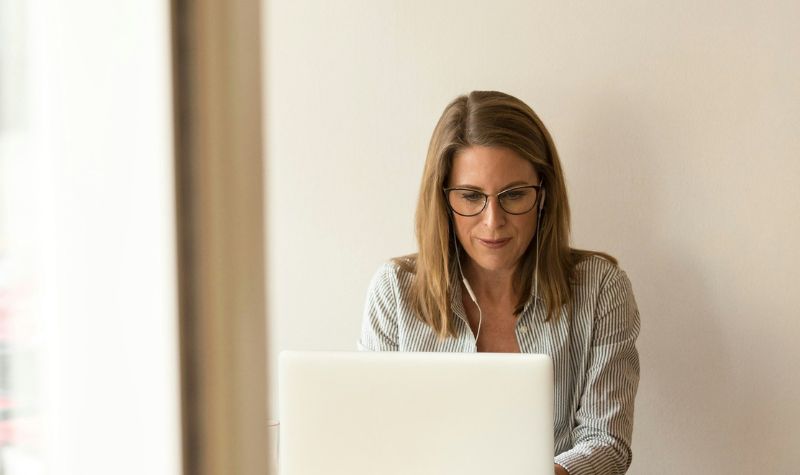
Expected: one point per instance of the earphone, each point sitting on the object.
(541, 204)
(466, 282)
(536, 266)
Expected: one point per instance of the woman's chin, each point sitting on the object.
(495, 265)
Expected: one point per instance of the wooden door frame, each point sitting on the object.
(217, 94)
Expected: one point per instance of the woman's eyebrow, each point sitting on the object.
(471, 187)
(516, 183)
(478, 188)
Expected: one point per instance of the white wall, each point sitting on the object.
(677, 126)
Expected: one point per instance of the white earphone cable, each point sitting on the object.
(467, 286)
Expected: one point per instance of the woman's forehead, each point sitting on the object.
(490, 167)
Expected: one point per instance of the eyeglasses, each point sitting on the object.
(469, 202)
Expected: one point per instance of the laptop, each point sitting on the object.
(363, 413)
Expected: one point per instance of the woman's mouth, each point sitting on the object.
(494, 243)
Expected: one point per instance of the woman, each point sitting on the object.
(494, 272)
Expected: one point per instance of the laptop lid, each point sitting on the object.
(363, 413)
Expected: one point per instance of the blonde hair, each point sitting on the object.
(492, 119)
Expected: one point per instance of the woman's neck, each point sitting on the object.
(492, 287)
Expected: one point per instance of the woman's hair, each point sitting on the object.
(491, 119)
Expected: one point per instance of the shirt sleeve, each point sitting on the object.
(604, 419)
(379, 324)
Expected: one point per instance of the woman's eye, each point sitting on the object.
(471, 196)
(515, 194)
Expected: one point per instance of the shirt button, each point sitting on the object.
(523, 329)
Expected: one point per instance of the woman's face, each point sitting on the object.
(494, 240)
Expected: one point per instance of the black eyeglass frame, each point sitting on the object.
(486, 196)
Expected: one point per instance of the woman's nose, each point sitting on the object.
(494, 215)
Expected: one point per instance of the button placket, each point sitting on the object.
(533, 325)
(524, 332)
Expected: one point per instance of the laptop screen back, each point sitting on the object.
(357, 413)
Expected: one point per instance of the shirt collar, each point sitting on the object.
(456, 302)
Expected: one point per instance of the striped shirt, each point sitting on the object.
(594, 355)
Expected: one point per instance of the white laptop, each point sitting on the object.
(357, 413)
